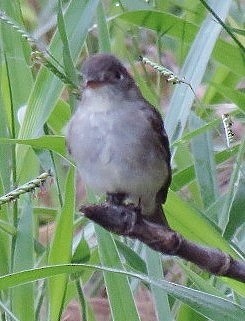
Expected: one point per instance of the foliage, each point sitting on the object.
(38, 279)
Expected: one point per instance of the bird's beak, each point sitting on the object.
(92, 84)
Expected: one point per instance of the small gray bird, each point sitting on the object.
(118, 141)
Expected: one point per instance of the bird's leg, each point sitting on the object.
(139, 203)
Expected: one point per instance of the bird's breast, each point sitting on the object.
(114, 150)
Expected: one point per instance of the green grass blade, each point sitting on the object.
(103, 36)
(230, 56)
(132, 258)
(193, 69)
(200, 283)
(5, 151)
(237, 97)
(61, 247)
(160, 22)
(226, 53)
(203, 157)
(47, 89)
(134, 5)
(119, 293)
(16, 56)
(160, 297)
(59, 117)
(228, 30)
(232, 189)
(5, 247)
(23, 296)
(236, 213)
(185, 176)
(213, 307)
(54, 143)
(192, 225)
(67, 57)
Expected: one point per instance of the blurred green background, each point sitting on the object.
(55, 264)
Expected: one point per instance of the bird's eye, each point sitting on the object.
(118, 75)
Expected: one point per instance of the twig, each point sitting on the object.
(26, 188)
(128, 221)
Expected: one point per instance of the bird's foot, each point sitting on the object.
(116, 198)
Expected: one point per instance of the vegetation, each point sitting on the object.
(42, 44)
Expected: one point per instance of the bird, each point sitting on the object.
(117, 139)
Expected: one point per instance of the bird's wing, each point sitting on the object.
(157, 124)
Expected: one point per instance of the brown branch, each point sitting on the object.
(128, 221)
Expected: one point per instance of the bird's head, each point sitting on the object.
(105, 69)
